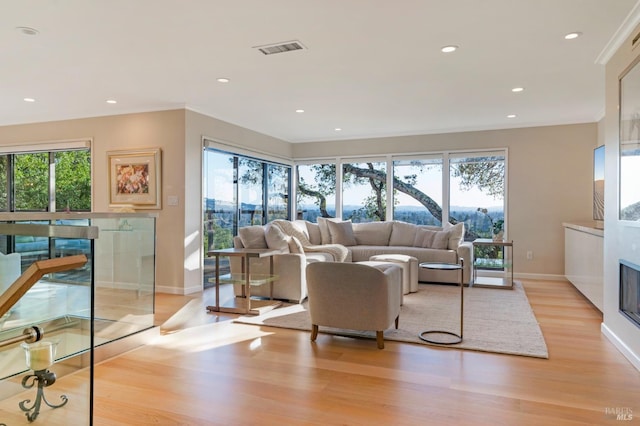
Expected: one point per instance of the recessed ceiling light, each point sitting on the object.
(338, 129)
(299, 111)
(27, 30)
(223, 80)
(29, 100)
(511, 116)
(449, 49)
(112, 101)
(571, 36)
(517, 89)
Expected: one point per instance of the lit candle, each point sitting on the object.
(40, 356)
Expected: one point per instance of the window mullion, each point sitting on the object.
(52, 182)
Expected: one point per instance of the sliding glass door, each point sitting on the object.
(239, 191)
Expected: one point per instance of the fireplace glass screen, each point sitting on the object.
(630, 291)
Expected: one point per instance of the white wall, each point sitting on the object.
(621, 238)
(197, 127)
(164, 129)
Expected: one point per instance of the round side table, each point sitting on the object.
(429, 335)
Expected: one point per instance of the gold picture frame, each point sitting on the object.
(135, 178)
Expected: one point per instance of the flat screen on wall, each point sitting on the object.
(598, 183)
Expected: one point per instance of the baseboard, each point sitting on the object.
(178, 290)
(539, 277)
(633, 358)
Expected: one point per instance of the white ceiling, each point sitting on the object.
(371, 67)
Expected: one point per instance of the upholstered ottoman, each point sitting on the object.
(383, 266)
(409, 265)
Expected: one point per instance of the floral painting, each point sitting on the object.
(135, 178)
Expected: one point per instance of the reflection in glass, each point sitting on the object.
(250, 191)
(630, 145)
(277, 192)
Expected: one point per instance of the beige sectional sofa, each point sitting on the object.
(303, 242)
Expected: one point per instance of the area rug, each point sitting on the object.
(495, 320)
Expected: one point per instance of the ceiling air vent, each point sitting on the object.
(287, 46)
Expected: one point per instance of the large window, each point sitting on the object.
(427, 189)
(477, 196)
(417, 190)
(57, 180)
(364, 191)
(316, 191)
(46, 177)
(239, 191)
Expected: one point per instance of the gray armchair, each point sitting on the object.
(354, 296)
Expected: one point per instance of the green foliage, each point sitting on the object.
(485, 173)
(3, 183)
(31, 181)
(73, 180)
(498, 225)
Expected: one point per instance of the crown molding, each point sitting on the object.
(621, 34)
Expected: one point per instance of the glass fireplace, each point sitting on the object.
(630, 291)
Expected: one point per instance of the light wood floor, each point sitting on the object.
(206, 370)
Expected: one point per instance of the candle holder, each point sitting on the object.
(40, 356)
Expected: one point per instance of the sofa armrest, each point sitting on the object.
(291, 271)
(237, 242)
(465, 251)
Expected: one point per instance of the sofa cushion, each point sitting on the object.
(276, 239)
(313, 229)
(428, 238)
(456, 234)
(295, 246)
(360, 253)
(372, 233)
(324, 228)
(402, 234)
(301, 225)
(341, 233)
(253, 237)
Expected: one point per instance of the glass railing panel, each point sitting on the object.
(118, 281)
(60, 310)
(125, 276)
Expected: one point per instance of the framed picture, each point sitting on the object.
(135, 178)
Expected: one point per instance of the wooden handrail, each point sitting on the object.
(33, 274)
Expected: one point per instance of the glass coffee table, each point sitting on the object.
(442, 337)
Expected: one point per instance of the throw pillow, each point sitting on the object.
(252, 237)
(295, 246)
(456, 234)
(276, 239)
(324, 228)
(432, 239)
(342, 233)
(402, 234)
(313, 229)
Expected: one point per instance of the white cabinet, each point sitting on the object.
(583, 260)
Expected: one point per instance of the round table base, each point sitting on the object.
(457, 336)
